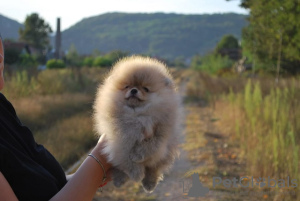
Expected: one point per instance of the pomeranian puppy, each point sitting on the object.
(137, 110)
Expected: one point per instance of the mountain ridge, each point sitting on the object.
(158, 34)
(9, 28)
(167, 35)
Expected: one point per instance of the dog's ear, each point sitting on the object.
(168, 82)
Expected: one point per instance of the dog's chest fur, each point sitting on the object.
(141, 120)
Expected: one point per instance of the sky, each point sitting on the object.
(73, 11)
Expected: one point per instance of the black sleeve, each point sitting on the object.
(32, 172)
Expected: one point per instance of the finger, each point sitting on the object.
(102, 139)
(109, 175)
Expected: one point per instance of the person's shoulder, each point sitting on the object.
(6, 105)
(3, 99)
(2, 96)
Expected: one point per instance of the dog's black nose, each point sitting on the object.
(133, 91)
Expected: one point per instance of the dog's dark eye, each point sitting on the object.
(126, 87)
(146, 89)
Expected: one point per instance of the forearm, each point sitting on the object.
(85, 182)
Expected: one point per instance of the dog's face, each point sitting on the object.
(136, 95)
(140, 87)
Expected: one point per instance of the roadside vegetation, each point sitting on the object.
(258, 116)
(56, 105)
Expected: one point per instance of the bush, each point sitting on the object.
(102, 62)
(55, 63)
(115, 55)
(211, 63)
(26, 60)
(88, 61)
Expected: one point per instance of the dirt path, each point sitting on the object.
(171, 188)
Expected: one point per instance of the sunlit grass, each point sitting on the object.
(39, 112)
(57, 106)
(268, 127)
(69, 139)
(260, 116)
(24, 83)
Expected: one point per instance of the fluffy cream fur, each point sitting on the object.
(137, 110)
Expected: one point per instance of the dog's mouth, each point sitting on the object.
(134, 98)
(134, 101)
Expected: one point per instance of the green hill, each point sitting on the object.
(158, 34)
(9, 28)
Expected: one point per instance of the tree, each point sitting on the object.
(73, 58)
(36, 32)
(228, 42)
(116, 55)
(273, 34)
(229, 46)
(244, 3)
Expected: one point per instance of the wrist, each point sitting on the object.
(101, 157)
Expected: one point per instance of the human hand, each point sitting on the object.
(97, 151)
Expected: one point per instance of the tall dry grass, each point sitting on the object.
(21, 83)
(268, 129)
(206, 88)
(259, 115)
(57, 106)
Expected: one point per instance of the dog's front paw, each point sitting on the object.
(137, 173)
(149, 184)
(118, 182)
(136, 157)
(119, 177)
